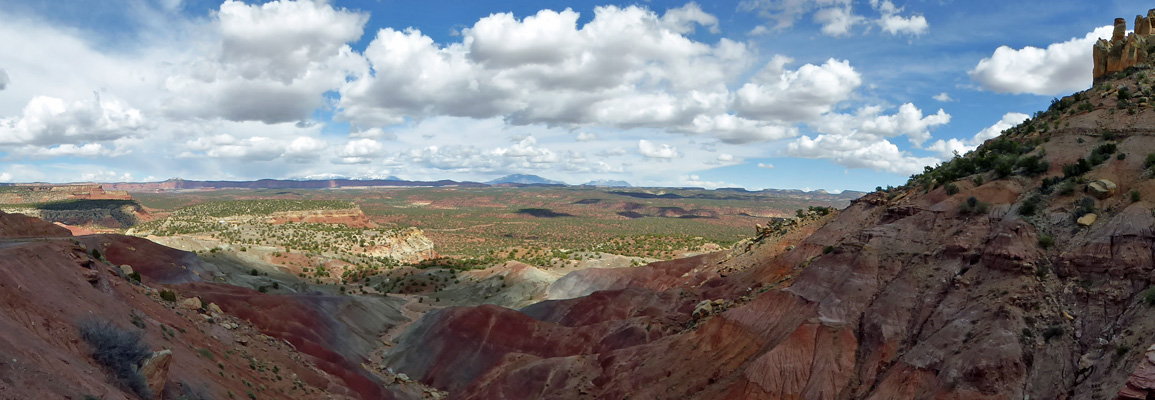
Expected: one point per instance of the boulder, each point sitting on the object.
(155, 371)
(705, 307)
(191, 303)
(1087, 220)
(126, 269)
(1102, 188)
(214, 309)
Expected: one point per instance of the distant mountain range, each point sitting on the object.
(524, 179)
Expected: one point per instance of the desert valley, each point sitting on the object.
(1021, 267)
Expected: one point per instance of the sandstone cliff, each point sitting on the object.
(1124, 50)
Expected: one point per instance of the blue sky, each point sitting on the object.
(810, 94)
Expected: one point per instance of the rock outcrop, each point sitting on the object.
(155, 371)
(1124, 50)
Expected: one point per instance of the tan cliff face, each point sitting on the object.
(1124, 50)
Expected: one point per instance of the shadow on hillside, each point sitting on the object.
(542, 213)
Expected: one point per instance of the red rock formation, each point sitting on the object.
(21, 226)
(1123, 50)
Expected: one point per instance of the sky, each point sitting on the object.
(790, 94)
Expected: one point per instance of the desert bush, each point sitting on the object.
(167, 295)
(1084, 206)
(1030, 206)
(1135, 196)
(119, 351)
(951, 189)
(1148, 296)
(1150, 162)
(973, 206)
(96, 254)
(1046, 241)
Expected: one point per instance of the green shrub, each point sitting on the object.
(951, 189)
(978, 180)
(134, 276)
(1030, 206)
(1148, 296)
(167, 295)
(1084, 206)
(1135, 196)
(1121, 156)
(1046, 241)
(1067, 188)
(96, 254)
(1150, 162)
(119, 351)
(827, 249)
(973, 206)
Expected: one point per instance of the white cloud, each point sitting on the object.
(837, 21)
(947, 148)
(5, 177)
(104, 175)
(836, 17)
(48, 120)
(869, 123)
(657, 151)
(766, 165)
(943, 97)
(800, 95)
(1061, 67)
(304, 148)
(894, 24)
(725, 157)
(627, 67)
(586, 137)
(66, 150)
(272, 62)
(684, 19)
(850, 151)
(360, 151)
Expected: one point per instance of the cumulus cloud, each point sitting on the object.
(360, 151)
(861, 140)
(799, 95)
(254, 148)
(947, 148)
(652, 150)
(893, 23)
(66, 150)
(837, 17)
(725, 157)
(849, 151)
(870, 123)
(273, 62)
(766, 165)
(837, 21)
(627, 67)
(586, 137)
(943, 97)
(48, 120)
(1061, 67)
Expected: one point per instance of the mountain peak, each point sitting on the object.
(524, 179)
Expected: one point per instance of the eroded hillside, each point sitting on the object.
(1019, 270)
